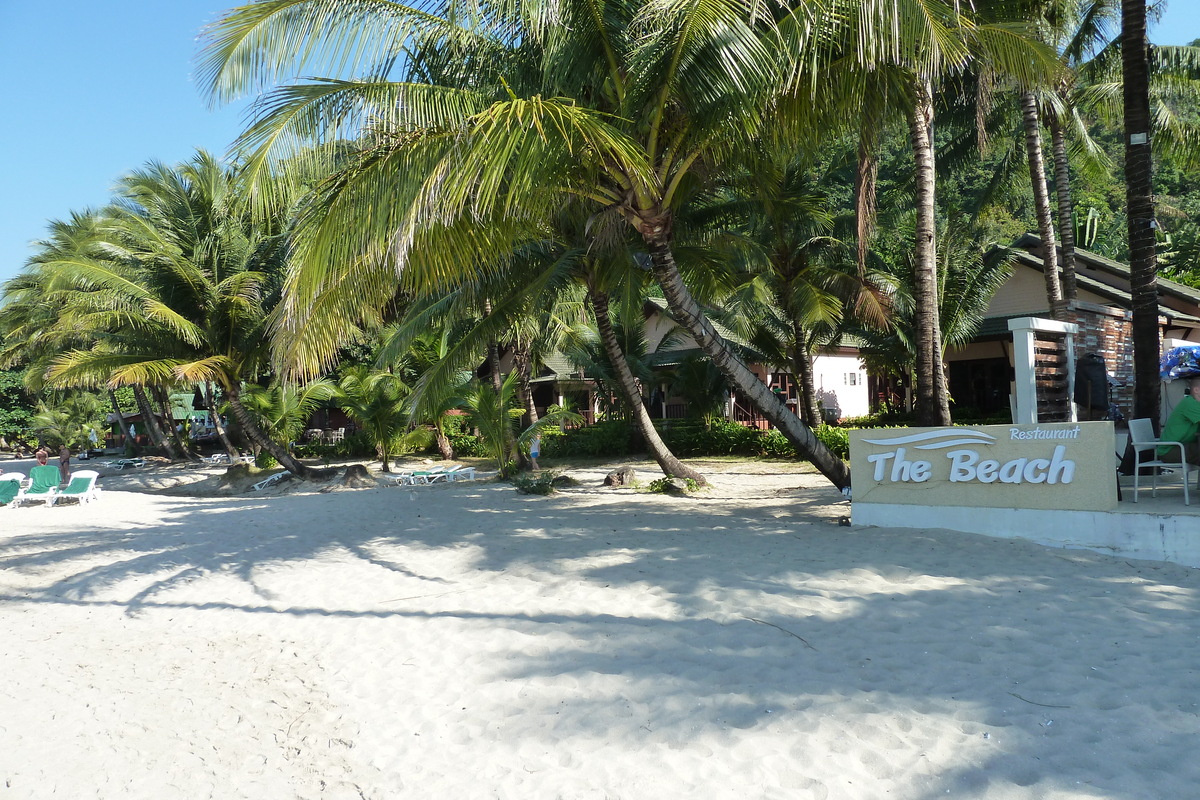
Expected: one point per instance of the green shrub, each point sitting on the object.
(356, 445)
(835, 438)
(607, 439)
(468, 446)
(265, 460)
(879, 419)
(666, 485)
(686, 438)
(541, 483)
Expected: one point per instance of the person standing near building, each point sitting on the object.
(64, 463)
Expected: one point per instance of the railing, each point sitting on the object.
(750, 417)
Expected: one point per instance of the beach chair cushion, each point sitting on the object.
(43, 484)
(9, 489)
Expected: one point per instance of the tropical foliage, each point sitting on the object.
(463, 193)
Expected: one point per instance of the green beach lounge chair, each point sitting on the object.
(82, 487)
(43, 485)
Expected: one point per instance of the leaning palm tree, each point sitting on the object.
(187, 294)
(498, 116)
(796, 282)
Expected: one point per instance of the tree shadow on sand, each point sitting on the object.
(765, 618)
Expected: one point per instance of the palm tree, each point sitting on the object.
(496, 414)
(70, 419)
(35, 301)
(378, 402)
(797, 281)
(280, 410)
(896, 55)
(1139, 171)
(970, 272)
(621, 109)
(186, 295)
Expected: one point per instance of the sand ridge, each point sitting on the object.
(468, 641)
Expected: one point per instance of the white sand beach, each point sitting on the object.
(467, 641)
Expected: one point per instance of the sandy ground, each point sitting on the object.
(467, 641)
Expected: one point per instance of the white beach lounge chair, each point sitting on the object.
(128, 463)
(82, 487)
(425, 476)
(460, 474)
(271, 481)
(434, 475)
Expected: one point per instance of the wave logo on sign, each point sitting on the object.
(937, 440)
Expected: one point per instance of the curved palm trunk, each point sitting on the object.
(1139, 170)
(250, 427)
(164, 402)
(802, 369)
(222, 434)
(150, 420)
(112, 396)
(932, 404)
(443, 443)
(1041, 199)
(659, 451)
(1066, 209)
(687, 312)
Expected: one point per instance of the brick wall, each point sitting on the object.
(1107, 331)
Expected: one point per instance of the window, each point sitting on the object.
(850, 379)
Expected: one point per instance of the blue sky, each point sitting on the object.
(99, 88)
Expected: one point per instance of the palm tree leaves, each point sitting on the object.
(253, 46)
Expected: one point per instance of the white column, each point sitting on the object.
(1023, 329)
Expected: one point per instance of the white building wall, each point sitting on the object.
(841, 381)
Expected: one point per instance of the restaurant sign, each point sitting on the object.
(1044, 466)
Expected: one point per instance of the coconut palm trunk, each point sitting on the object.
(932, 405)
(1041, 199)
(659, 451)
(493, 357)
(222, 433)
(688, 313)
(1139, 170)
(112, 397)
(1066, 209)
(803, 370)
(523, 363)
(246, 421)
(150, 420)
(164, 402)
(445, 449)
